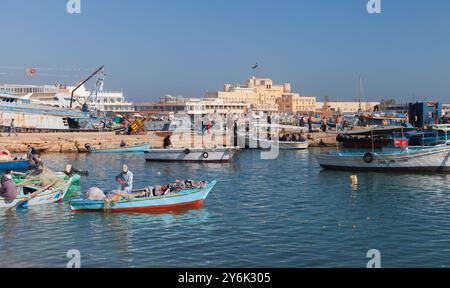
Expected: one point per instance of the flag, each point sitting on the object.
(255, 66)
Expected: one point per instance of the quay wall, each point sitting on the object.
(75, 142)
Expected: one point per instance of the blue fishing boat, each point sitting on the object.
(185, 199)
(14, 165)
(141, 148)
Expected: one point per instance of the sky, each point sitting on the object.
(186, 47)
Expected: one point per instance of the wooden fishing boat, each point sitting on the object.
(126, 149)
(47, 196)
(14, 165)
(418, 159)
(185, 199)
(191, 155)
(283, 145)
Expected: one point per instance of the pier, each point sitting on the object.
(75, 142)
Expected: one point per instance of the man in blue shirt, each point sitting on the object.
(125, 179)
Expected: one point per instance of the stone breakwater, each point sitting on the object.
(75, 142)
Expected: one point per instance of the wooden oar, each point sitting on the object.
(19, 173)
(34, 195)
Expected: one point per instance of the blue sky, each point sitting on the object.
(186, 47)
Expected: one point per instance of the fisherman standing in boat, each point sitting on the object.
(8, 189)
(31, 153)
(125, 179)
(39, 165)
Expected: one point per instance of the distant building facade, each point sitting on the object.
(260, 93)
(293, 103)
(191, 106)
(347, 106)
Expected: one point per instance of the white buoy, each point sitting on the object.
(354, 180)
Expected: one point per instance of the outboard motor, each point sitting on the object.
(88, 147)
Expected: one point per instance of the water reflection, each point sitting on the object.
(282, 213)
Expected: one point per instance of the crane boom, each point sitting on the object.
(83, 82)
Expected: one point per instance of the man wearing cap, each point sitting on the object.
(125, 179)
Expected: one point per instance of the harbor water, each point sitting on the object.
(286, 212)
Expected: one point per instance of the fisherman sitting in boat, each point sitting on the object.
(8, 189)
(125, 179)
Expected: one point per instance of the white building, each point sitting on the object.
(59, 95)
(108, 102)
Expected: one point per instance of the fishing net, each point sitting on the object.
(95, 193)
(47, 177)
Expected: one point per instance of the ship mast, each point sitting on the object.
(360, 94)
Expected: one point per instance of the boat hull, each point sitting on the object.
(14, 165)
(423, 160)
(284, 145)
(132, 149)
(189, 199)
(254, 143)
(48, 197)
(190, 155)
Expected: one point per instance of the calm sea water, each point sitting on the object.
(280, 213)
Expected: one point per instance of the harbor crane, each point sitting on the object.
(95, 95)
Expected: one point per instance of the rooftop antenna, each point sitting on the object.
(256, 69)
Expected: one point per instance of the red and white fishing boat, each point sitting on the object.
(185, 199)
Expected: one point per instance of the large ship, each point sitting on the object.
(36, 116)
(55, 114)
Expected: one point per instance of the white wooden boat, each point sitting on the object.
(255, 143)
(191, 154)
(283, 145)
(50, 195)
(419, 159)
